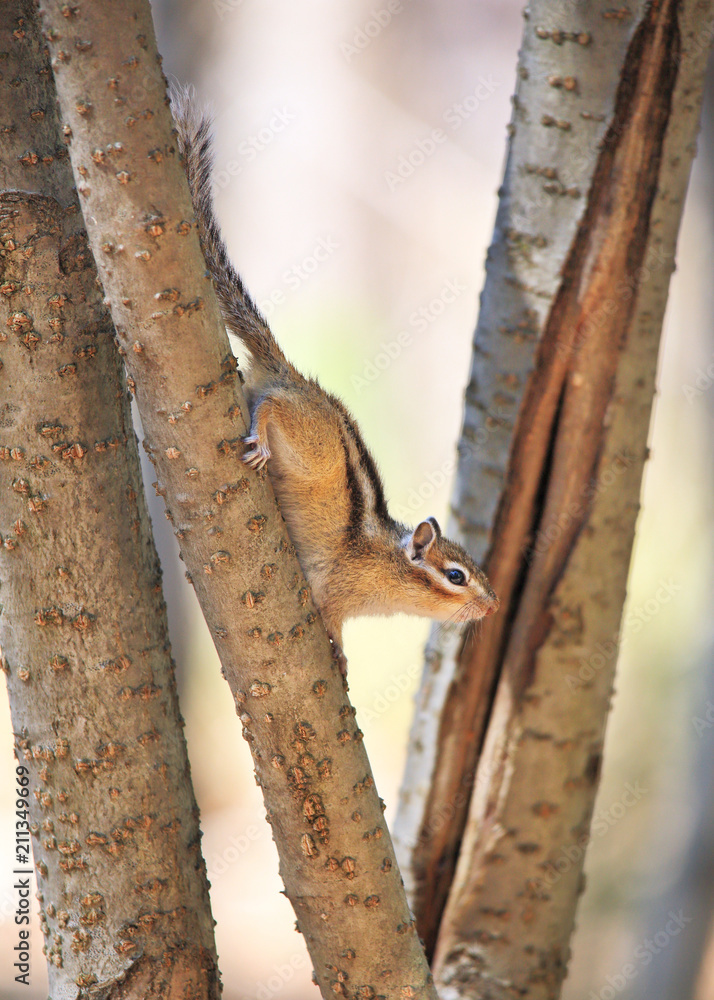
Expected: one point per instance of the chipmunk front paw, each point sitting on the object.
(256, 457)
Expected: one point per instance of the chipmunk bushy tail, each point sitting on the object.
(241, 315)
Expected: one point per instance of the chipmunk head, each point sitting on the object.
(453, 585)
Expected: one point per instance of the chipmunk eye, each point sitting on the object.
(456, 577)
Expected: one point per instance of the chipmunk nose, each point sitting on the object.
(493, 606)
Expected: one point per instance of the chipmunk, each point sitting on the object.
(357, 559)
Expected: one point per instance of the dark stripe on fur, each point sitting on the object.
(428, 582)
(354, 526)
(366, 463)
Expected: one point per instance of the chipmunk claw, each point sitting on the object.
(258, 456)
(339, 657)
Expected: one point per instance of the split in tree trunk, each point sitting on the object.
(547, 490)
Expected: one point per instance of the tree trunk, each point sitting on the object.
(547, 492)
(114, 824)
(336, 855)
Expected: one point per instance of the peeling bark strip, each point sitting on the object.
(121, 883)
(335, 851)
(583, 410)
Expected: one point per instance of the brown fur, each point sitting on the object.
(356, 558)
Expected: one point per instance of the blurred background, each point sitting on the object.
(370, 280)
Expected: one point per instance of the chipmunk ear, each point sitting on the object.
(422, 538)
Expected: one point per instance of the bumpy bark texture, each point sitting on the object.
(123, 894)
(547, 493)
(336, 855)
